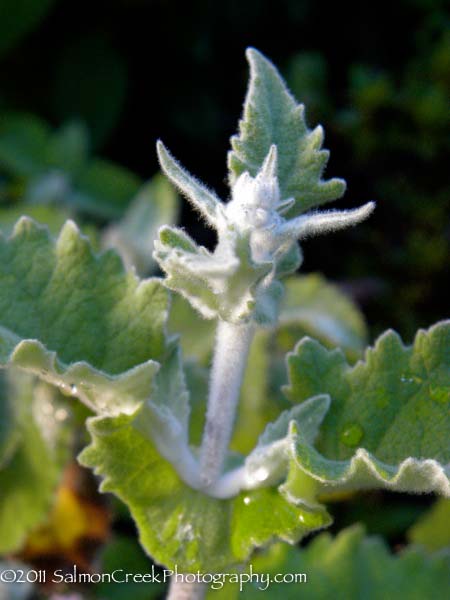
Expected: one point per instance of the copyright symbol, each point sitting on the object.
(8, 576)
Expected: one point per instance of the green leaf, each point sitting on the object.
(202, 199)
(268, 461)
(272, 116)
(177, 524)
(155, 205)
(312, 306)
(350, 566)
(432, 530)
(83, 323)
(226, 284)
(78, 320)
(388, 425)
(52, 216)
(29, 477)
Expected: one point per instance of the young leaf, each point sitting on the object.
(202, 199)
(226, 284)
(276, 168)
(177, 524)
(310, 306)
(388, 425)
(77, 320)
(273, 117)
(350, 566)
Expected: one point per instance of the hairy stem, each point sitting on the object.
(229, 362)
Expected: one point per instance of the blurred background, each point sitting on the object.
(376, 75)
(86, 88)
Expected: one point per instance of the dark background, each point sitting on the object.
(375, 74)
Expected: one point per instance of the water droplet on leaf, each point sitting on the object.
(261, 474)
(352, 435)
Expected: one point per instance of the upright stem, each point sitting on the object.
(229, 362)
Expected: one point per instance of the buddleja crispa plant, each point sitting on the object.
(81, 322)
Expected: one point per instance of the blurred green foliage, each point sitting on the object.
(138, 70)
(84, 79)
(394, 124)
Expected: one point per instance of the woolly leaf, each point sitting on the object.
(220, 284)
(272, 116)
(202, 199)
(388, 425)
(77, 320)
(310, 306)
(177, 524)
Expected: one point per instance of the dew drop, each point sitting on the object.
(301, 518)
(352, 435)
(73, 389)
(247, 500)
(261, 474)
